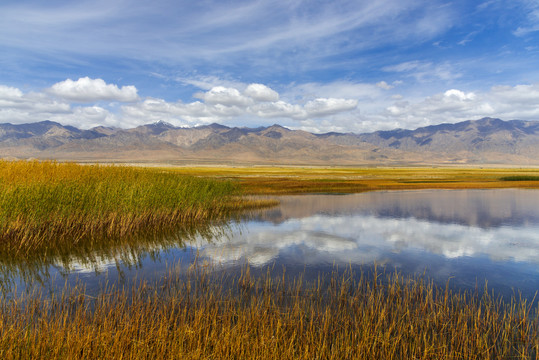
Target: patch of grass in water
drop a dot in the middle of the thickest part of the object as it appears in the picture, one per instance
(49, 205)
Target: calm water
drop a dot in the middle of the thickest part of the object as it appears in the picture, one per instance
(467, 236)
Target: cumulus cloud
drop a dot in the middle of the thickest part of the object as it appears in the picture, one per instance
(9, 93)
(18, 107)
(355, 107)
(506, 102)
(459, 95)
(260, 92)
(520, 94)
(224, 96)
(90, 90)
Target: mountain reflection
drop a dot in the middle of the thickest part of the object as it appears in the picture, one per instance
(500, 224)
(481, 208)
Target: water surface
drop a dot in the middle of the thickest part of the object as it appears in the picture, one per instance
(467, 236)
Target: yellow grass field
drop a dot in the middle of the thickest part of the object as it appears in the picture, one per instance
(297, 180)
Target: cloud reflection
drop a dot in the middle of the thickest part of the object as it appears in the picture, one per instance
(353, 235)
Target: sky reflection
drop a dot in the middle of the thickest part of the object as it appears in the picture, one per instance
(470, 236)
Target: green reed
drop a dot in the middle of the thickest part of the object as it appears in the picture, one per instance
(48, 204)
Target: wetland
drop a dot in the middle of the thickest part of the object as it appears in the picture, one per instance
(430, 265)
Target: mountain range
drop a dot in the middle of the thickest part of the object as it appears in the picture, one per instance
(487, 141)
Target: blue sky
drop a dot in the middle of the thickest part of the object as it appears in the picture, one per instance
(314, 65)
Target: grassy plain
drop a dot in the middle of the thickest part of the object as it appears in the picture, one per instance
(209, 316)
(298, 180)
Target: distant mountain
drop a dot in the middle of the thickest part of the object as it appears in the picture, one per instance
(485, 141)
(487, 134)
(488, 140)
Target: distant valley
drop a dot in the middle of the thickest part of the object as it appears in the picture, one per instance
(487, 141)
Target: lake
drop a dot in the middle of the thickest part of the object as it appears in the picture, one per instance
(468, 237)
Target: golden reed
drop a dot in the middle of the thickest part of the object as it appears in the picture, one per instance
(204, 314)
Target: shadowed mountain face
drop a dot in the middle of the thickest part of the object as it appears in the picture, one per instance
(485, 141)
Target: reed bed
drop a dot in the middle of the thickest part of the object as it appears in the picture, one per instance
(211, 315)
(45, 205)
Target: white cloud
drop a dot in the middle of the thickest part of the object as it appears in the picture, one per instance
(323, 107)
(278, 109)
(384, 85)
(208, 82)
(260, 92)
(405, 66)
(187, 33)
(224, 96)
(335, 89)
(531, 7)
(459, 95)
(90, 90)
(226, 104)
(425, 71)
(519, 94)
(468, 38)
(357, 107)
(506, 102)
(18, 107)
(90, 116)
(9, 93)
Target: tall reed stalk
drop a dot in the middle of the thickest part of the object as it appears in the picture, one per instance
(207, 315)
(44, 205)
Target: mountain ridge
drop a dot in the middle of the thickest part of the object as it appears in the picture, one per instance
(483, 141)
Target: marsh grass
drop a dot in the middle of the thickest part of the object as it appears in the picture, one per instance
(298, 180)
(47, 205)
(204, 314)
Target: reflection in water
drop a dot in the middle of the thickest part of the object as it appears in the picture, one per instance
(467, 235)
(360, 239)
(478, 208)
(96, 261)
(471, 235)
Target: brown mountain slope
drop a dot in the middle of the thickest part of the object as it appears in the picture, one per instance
(485, 141)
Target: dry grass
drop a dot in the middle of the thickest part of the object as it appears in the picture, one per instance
(204, 315)
(297, 180)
